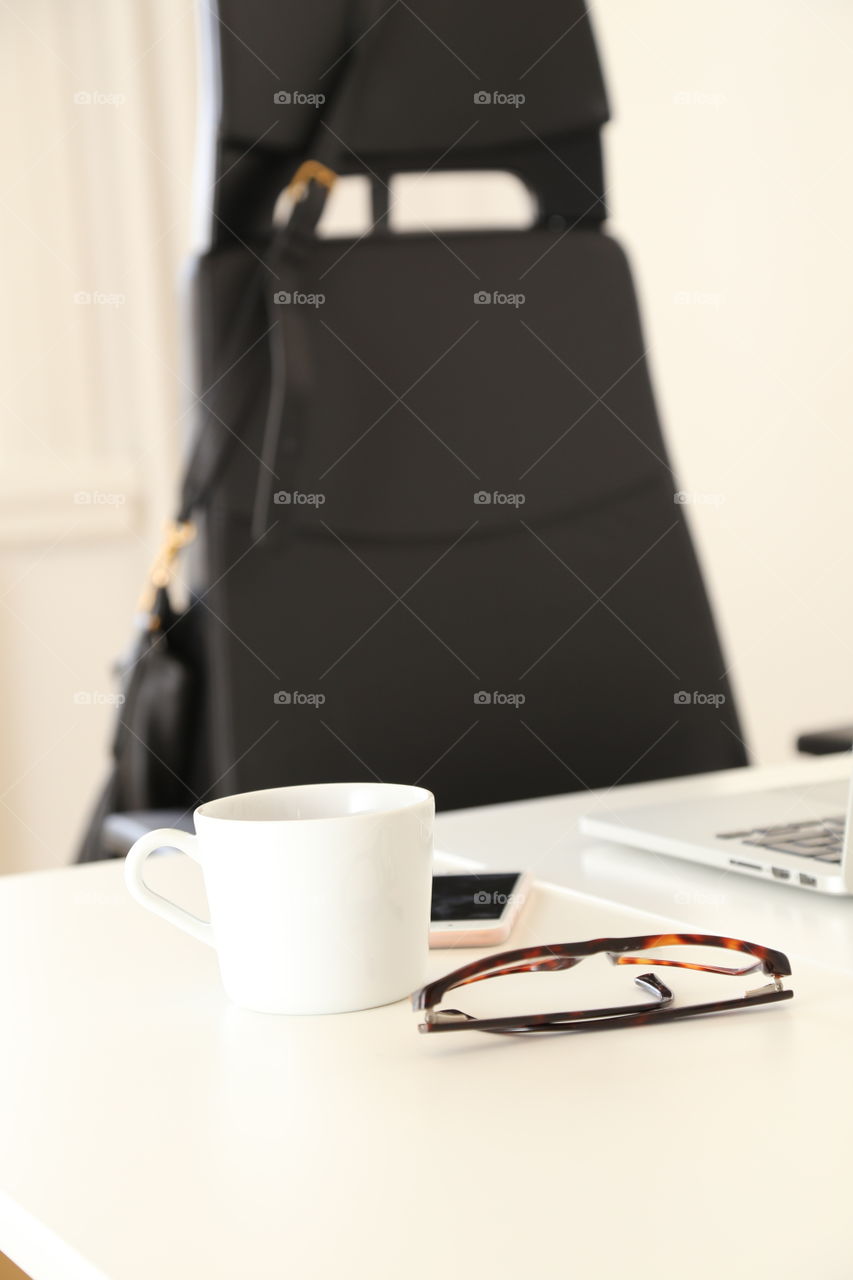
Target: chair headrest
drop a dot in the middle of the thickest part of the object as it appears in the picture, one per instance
(435, 77)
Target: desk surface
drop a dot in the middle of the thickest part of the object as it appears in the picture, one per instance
(149, 1128)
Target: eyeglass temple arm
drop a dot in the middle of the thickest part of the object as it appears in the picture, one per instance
(644, 960)
(523, 960)
(550, 964)
(772, 962)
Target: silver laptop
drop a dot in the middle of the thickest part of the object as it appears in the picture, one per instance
(797, 834)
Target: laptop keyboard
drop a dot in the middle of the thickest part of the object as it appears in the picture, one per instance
(821, 839)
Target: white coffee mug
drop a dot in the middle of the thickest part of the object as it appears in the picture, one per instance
(319, 895)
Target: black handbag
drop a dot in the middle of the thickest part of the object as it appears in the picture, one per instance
(158, 700)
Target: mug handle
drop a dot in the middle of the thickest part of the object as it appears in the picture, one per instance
(133, 867)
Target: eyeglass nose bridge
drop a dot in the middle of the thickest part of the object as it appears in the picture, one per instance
(652, 984)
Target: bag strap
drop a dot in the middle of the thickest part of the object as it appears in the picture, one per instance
(288, 247)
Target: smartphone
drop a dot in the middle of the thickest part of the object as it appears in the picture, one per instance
(476, 909)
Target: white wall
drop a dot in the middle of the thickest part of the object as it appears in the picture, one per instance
(730, 166)
(730, 173)
(97, 104)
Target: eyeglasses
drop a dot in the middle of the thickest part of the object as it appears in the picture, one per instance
(550, 959)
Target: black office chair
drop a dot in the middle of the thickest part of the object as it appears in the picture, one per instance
(438, 539)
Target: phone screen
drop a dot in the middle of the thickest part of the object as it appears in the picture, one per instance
(472, 897)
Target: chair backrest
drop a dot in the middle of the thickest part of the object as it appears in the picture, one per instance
(474, 574)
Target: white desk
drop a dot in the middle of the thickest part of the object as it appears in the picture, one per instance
(149, 1129)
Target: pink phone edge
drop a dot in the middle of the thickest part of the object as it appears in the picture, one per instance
(490, 935)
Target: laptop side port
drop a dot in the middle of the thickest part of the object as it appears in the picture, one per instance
(808, 882)
(750, 866)
(780, 873)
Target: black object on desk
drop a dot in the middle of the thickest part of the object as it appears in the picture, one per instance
(825, 742)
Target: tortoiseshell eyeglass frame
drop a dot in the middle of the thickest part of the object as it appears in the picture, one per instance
(564, 955)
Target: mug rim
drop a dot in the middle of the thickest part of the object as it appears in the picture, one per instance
(420, 796)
